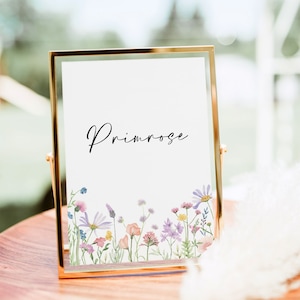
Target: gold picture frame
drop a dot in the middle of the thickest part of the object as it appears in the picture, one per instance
(64, 84)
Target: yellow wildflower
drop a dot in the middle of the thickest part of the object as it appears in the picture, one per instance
(108, 236)
(182, 217)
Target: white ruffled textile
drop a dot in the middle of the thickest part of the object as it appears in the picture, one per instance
(260, 250)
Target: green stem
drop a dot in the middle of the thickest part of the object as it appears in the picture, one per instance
(89, 236)
(202, 228)
(115, 232)
(130, 250)
(193, 220)
(187, 226)
(171, 247)
(99, 254)
(139, 238)
(82, 257)
(77, 239)
(77, 245)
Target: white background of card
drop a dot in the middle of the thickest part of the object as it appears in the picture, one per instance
(138, 97)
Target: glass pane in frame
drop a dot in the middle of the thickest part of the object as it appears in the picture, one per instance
(136, 158)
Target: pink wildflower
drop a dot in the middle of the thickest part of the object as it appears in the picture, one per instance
(100, 241)
(80, 206)
(150, 239)
(87, 247)
(205, 242)
(186, 205)
(175, 210)
(123, 243)
(194, 229)
(133, 229)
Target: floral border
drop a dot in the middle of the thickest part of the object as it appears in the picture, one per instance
(187, 233)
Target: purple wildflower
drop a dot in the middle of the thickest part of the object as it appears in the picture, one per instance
(98, 222)
(171, 231)
(179, 228)
(154, 227)
(143, 219)
(112, 213)
(151, 211)
(202, 196)
(141, 202)
(168, 224)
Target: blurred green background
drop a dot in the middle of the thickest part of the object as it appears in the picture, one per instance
(241, 33)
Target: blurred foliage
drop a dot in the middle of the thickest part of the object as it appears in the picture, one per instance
(291, 45)
(179, 31)
(27, 35)
(17, 21)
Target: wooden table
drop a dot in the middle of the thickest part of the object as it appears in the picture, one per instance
(28, 270)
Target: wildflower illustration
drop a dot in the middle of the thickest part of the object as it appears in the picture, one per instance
(117, 252)
(149, 240)
(106, 237)
(83, 234)
(171, 234)
(131, 241)
(132, 230)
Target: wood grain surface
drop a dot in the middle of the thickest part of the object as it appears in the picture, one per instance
(28, 270)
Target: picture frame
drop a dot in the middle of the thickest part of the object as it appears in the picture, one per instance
(136, 159)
